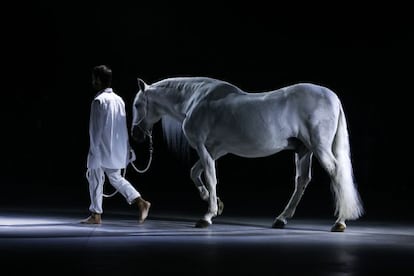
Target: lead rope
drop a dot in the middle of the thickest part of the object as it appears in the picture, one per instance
(131, 161)
(151, 149)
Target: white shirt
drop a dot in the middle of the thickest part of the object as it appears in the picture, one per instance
(108, 132)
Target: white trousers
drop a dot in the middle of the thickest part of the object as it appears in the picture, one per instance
(96, 179)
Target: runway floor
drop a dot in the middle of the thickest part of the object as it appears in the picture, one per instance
(168, 244)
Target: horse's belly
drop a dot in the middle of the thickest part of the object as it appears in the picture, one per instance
(252, 129)
(254, 153)
(247, 146)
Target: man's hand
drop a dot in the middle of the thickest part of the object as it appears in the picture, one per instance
(132, 156)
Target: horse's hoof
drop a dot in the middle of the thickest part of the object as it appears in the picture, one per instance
(202, 224)
(220, 205)
(278, 223)
(338, 227)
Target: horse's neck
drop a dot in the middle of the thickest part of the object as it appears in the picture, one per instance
(172, 101)
(177, 97)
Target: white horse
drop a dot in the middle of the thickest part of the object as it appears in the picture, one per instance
(218, 118)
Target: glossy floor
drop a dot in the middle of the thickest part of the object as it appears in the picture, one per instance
(54, 243)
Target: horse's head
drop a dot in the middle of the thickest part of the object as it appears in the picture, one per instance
(143, 115)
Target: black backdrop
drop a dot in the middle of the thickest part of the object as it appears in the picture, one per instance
(362, 53)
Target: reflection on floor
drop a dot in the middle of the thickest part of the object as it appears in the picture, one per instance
(53, 242)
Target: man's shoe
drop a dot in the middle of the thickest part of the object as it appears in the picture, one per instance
(143, 209)
(92, 219)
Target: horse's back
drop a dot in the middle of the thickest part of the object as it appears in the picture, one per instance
(305, 92)
(303, 95)
(306, 100)
(302, 99)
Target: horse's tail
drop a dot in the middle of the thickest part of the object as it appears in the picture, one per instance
(175, 139)
(348, 202)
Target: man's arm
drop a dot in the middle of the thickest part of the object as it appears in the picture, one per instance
(96, 125)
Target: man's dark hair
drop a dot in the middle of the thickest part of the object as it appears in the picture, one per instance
(104, 73)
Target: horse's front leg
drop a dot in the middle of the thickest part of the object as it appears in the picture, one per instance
(196, 172)
(208, 164)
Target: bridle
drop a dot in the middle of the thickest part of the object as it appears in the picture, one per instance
(147, 133)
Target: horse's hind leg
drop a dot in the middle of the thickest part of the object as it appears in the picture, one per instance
(303, 161)
(328, 162)
(196, 172)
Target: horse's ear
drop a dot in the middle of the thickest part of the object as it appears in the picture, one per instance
(141, 84)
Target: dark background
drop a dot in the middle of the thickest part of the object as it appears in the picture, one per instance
(364, 54)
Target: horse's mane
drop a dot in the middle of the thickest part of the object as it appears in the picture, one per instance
(175, 82)
(175, 139)
(194, 83)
